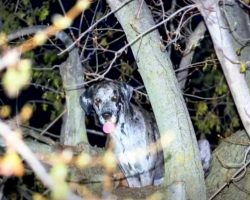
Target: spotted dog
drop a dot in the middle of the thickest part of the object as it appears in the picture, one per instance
(134, 132)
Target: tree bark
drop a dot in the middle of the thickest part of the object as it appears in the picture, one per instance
(228, 159)
(192, 43)
(221, 36)
(177, 135)
(237, 20)
(73, 128)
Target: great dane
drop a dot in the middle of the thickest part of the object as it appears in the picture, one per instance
(132, 131)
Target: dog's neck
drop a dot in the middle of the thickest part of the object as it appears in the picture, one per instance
(126, 123)
(125, 114)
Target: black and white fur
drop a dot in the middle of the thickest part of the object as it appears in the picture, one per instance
(135, 132)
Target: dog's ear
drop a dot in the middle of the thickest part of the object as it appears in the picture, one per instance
(86, 100)
(126, 91)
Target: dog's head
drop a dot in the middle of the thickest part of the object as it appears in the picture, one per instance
(107, 99)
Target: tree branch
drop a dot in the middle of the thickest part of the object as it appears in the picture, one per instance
(186, 60)
(221, 36)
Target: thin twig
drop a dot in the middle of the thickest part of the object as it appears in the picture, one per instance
(91, 28)
(53, 122)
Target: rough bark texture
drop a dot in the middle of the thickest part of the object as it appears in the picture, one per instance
(229, 28)
(226, 54)
(73, 127)
(227, 159)
(180, 147)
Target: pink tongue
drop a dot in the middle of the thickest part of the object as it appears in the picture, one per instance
(108, 127)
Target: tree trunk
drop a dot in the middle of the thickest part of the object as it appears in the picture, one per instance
(237, 20)
(178, 139)
(73, 128)
(192, 43)
(230, 62)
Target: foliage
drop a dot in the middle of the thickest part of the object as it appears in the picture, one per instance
(51, 82)
(25, 13)
(17, 78)
(208, 96)
(214, 111)
(22, 13)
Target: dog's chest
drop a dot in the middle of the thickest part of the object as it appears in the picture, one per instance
(131, 146)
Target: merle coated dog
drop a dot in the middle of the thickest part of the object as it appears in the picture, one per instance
(135, 131)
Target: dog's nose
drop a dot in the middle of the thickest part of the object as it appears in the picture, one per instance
(107, 115)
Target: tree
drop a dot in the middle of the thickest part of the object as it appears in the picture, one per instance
(157, 33)
(174, 123)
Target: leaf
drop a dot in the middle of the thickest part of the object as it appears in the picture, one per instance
(25, 2)
(26, 112)
(59, 173)
(60, 191)
(221, 89)
(44, 106)
(17, 78)
(43, 13)
(235, 123)
(5, 111)
(83, 160)
(37, 196)
(11, 164)
(243, 68)
(104, 42)
(49, 57)
(201, 109)
(3, 38)
(109, 161)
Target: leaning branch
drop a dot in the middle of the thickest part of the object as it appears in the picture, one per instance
(11, 137)
(222, 40)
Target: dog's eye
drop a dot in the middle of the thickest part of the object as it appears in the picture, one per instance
(98, 100)
(114, 98)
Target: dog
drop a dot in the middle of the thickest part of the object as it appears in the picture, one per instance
(134, 131)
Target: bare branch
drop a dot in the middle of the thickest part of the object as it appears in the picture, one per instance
(186, 60)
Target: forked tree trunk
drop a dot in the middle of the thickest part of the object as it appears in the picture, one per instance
(178, 138)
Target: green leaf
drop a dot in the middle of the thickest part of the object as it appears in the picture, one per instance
(201, 109)
(43, 13)
(104, 42)
(17, 78)
(60, 188)
(243, 68)
(25, 2)
(59, 171)
(44, 106)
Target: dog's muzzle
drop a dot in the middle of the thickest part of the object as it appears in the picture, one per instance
(108, 121)
(106, 115)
